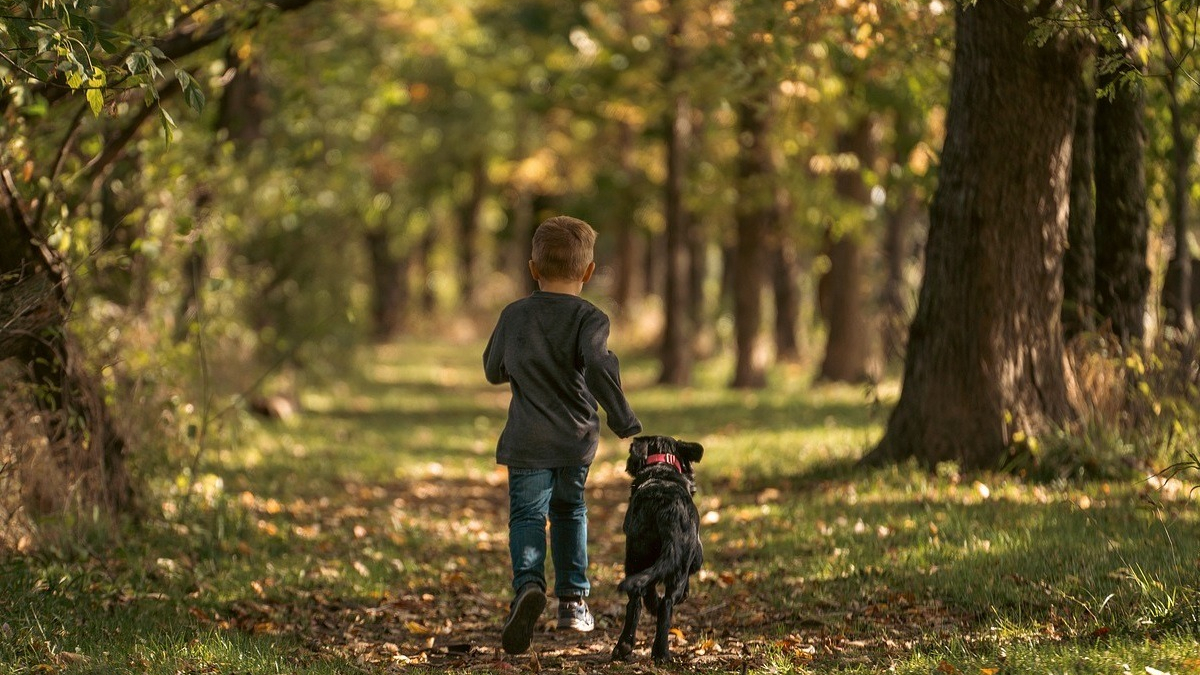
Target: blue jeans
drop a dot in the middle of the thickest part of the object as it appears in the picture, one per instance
(534, 494)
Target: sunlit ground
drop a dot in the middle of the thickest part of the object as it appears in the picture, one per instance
(370, 536)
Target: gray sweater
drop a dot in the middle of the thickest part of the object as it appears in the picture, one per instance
(552, 350)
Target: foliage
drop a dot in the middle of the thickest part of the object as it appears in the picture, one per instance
(1139, 417)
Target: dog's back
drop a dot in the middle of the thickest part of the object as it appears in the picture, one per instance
(662, 540)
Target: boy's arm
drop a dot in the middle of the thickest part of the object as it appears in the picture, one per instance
(603, 376)
(493, 357)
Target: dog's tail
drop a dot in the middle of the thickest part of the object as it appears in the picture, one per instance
(670, 562)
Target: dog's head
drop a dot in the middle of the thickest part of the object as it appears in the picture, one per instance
(647, 446)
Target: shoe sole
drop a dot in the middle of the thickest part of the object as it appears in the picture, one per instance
(518, 631)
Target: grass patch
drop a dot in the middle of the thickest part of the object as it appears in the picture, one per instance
(370, 536)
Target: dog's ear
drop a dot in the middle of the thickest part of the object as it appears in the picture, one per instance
(690, 451)
(638, 451)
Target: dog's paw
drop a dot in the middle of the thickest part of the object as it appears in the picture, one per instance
(622, 652)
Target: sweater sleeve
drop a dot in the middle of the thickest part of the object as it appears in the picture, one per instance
(493, 356)
(603, 377)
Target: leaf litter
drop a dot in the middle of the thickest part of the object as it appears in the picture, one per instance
(447, 614)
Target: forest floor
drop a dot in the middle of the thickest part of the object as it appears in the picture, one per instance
(369, 536)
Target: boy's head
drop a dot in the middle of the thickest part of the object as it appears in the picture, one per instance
(562, 249)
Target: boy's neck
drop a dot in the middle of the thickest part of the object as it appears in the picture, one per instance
(560, 286)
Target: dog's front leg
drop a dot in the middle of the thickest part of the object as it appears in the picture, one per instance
(661, 652)
(623, 650)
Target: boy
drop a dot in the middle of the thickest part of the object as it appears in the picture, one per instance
(552, 349)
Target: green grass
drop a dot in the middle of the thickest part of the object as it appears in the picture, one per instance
(369, 536)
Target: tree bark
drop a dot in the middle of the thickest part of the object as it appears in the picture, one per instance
(1122, 221)
(786, 270)
(1177, 289)
(389, 287)
(848, 340)
(468, 223)
(896, 243)
(754, 211)
(676, 349)
(629, 244)
(985, 356)
(1079, 261)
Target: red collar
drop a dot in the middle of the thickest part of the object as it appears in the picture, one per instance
(664, 458)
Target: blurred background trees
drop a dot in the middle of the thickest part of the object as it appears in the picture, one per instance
(205, 205)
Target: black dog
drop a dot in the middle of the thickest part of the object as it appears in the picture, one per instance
(662, 536)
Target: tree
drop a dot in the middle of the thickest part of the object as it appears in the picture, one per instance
(985, 364)
(1177, 296)
(1122, 221)
(756, 221)
(676, 348)
(848, 345)
(60, 63)
(1079, 260)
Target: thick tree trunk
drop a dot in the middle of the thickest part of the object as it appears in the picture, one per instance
(755, 210)
(985, 356)
(848, 339)
(1079, 261)
(1177, 296)
(676, 349)
(1122, 275)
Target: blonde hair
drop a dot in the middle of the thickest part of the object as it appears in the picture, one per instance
(562, 248)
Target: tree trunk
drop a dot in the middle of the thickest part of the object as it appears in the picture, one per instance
(786, 270)
(1079, 261)
(389, 284)
(1177, 297)
(468, 223)
(34, 311)
(629, 244)
(985, 356)
(754, 212)
(676, 348)
(1122, 275)
(697, 273)
(896, 243)
(848, 340)
(425, 255)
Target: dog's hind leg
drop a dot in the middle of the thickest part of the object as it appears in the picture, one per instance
(623, 651)
(661, 651)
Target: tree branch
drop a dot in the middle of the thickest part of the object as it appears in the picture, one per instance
(115, 144)
(190, 37)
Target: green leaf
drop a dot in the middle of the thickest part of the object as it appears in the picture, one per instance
(168, 124)
(191, 90)
(138, 62)
(95, 98)
(194, 97)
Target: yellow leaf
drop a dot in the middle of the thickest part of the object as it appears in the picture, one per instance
(416, 628)
(988, 671)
